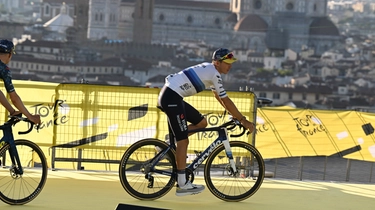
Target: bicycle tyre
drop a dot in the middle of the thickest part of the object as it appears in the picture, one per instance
(134, 160)
(234, 187)
(21, 189)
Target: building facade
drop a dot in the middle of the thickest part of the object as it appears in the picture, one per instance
(243, 24)
(103, 19)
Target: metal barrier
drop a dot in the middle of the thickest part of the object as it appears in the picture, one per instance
(321, 168)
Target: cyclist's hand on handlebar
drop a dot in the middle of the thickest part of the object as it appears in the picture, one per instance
(248, 125)
(35, 119)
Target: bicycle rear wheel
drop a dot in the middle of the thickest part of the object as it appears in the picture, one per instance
(139, 179)
(229, 186)
(16, 189)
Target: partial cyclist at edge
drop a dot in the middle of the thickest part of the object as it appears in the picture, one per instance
(6, 53)
(189, 82)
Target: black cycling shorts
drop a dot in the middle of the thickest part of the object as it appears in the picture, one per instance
(179, 113)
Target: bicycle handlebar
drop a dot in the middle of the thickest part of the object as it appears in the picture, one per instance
(232, 124)
(17, 118)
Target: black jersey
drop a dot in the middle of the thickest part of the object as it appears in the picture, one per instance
(6, 76)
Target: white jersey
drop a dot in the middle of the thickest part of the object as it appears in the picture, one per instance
(195, 79)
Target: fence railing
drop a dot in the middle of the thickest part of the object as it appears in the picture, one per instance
(321, 168)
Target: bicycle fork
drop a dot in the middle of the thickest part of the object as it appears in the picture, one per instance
(16, 168)
(232, 169)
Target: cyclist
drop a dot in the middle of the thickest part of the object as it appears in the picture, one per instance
(6, 53)
(186, 83)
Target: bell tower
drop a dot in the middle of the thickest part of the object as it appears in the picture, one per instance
(81, 19)
(143, 19)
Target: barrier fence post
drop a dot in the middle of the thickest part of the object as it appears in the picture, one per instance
(53, 155)
(325, 168)
(348, 165)
(79, 160)
(372, 166)
(300, 168)
(275, 168)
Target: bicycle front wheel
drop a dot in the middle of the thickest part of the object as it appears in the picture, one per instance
(229, 185)
(16, 188)
(140, 176)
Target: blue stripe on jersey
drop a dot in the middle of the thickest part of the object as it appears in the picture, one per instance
(223, 93)
(194, 79)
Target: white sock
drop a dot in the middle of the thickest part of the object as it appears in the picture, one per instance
(181, 179)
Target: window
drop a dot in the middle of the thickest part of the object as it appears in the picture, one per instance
(290, 96)
(258, 4)
(290, 6)
(161, 17)
(217, 21)
(80, 10)
(276, 95)
(47, 10)
(263, 94)
(317, 96)
(189, 19)
(304, 96)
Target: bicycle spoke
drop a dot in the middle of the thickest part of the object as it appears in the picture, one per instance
(18, 188)
(140, 176)
(240, 184)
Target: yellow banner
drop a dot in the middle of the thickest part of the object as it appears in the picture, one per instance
(301, 132)
(113, 118)
(83, 121)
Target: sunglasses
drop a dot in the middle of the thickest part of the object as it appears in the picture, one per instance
(227, 56)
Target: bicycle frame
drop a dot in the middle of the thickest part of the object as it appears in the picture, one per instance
(221, 139)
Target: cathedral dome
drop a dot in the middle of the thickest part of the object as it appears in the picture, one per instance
(252, 23)
(60, 22)
(323, 26)
(232, 18)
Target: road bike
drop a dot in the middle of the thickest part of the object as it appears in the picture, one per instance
(23, 166)
(233, 170)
